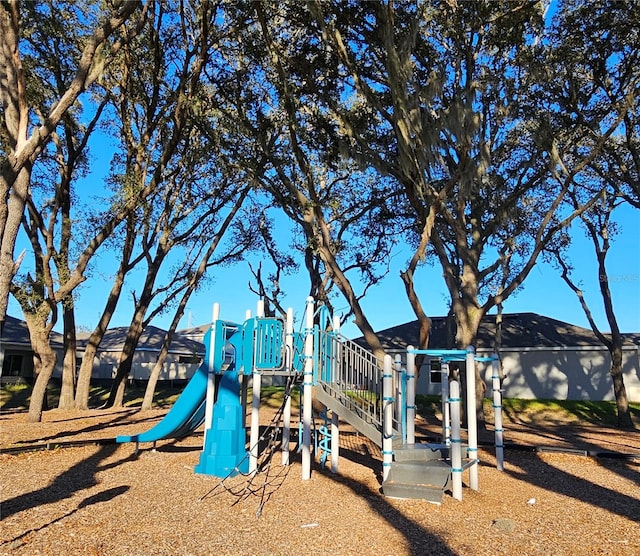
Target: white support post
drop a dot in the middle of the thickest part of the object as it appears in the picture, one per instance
(254, 437)
(336, 324)
(387, 416)
(456, 441)
(411, 396)
(335, 351)
(497, 412)
(245, 381)
(397, 366)
(211, 377)
(335, 420)
(286, 416)
(446, 419)
(335, 441)
(256, 388)
(472, 422)
(307, 391)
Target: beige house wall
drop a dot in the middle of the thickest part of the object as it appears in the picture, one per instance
(555, 373)
(567, 374)
(106, 364)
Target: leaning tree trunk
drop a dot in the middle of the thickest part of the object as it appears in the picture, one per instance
(67, 388)
(86, 368)
(45, 362)
(116, 395)
(619, 390)
(14, 191)
(84, 375)
(147, 401)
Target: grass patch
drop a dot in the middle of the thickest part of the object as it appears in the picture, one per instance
(518, 410)
(428, 406)
(273, 396)
(17, 396)
(577, 411)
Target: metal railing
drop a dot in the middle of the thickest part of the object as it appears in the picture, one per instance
(351, 374)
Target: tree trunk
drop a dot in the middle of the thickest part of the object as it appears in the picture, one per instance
(91, 349)
(424, 322)
(15, 194)
(116, 395)
(147, 401)
(468, 319)
(118, 391)
(407, 276)
(44, 365)
(86, 368)
(83, 386)
(619, 390)
(20, 150)
(345, 287)
(67, 388)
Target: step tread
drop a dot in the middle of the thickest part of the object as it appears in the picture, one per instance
(395, 489)
(423, 451)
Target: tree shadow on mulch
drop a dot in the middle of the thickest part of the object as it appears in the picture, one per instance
(532, 469)
(78, 477)
(103, 496)
(420, 540)
(123, 417)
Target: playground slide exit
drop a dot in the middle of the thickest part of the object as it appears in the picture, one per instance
(185, 416)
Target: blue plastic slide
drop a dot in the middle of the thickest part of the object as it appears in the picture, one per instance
(185, 416)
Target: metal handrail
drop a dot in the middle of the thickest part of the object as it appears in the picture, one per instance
(351, 374)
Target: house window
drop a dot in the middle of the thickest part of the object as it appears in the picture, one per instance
(435, 371)
(12, 365)
(190, 359)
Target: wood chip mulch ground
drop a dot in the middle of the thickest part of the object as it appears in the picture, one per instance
(104, 499)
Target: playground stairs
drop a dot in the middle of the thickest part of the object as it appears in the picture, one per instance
(419, 471)
(358, 419)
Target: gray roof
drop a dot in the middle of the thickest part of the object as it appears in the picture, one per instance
(151, 339)
(519, 330)
(16, 334)
(194, 331)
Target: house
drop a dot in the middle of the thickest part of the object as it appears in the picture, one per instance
(183, 359)
(16, 353)
(542, 358)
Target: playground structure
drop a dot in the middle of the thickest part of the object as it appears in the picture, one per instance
(377, 400)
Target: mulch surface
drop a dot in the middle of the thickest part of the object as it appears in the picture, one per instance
(68, 489)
